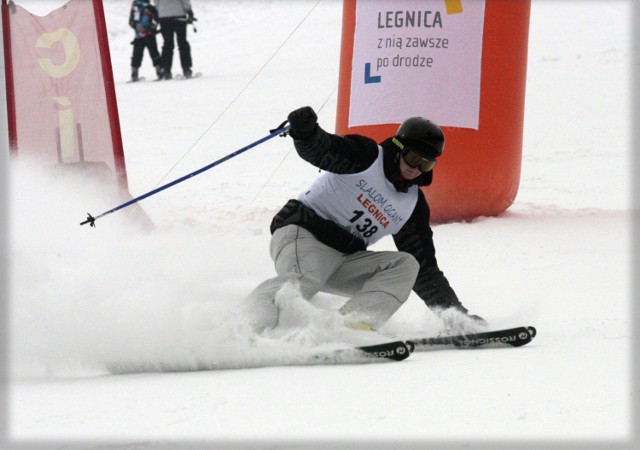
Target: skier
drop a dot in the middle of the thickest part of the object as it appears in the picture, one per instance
(368, 191)
(143, 19)
(174, 15)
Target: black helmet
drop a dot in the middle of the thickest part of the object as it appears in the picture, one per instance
(422, 136)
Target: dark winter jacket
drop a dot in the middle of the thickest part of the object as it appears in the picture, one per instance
(353, 154)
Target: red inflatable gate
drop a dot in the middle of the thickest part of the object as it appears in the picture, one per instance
(479, 172)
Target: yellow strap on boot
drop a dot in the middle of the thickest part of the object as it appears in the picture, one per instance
(359, 326)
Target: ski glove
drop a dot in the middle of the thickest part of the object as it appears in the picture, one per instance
(436, 291)
(303, 123)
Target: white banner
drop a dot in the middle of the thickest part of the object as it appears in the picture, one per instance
(417, 58)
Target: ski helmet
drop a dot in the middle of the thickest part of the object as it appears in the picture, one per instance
(422, 136)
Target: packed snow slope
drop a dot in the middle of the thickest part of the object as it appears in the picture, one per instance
(98, 317)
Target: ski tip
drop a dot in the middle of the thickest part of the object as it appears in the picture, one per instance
(525, 335)
(402, 351)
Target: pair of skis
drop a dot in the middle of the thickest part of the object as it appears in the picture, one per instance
(400, 350)
(176, 77)
(387, 351)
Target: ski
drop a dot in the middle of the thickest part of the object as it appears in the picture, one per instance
(395, 351)
(136, 81)
(379, 353)
(511, 337)
(179, 76)
(388, 351)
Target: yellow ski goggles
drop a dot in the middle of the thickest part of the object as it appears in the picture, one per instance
(417, 161)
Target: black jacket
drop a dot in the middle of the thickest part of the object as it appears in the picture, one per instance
(353, 154)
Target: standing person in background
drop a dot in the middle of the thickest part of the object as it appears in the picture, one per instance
(143, 18)
(174, 15)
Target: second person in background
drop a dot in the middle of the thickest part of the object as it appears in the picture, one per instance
(173, 16)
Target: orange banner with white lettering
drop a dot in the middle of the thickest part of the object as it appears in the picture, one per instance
(60, 87)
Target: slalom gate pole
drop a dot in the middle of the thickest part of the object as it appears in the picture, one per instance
(282, 130)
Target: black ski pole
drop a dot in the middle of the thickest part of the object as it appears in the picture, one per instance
(190, 22)
(281, 130)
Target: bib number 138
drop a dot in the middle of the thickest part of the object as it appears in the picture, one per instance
(363, 226)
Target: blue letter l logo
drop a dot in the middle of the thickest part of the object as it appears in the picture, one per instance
(367, 75)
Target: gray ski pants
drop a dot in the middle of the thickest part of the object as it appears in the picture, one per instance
(378, 283)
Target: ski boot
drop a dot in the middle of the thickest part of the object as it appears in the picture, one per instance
(159, 71)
